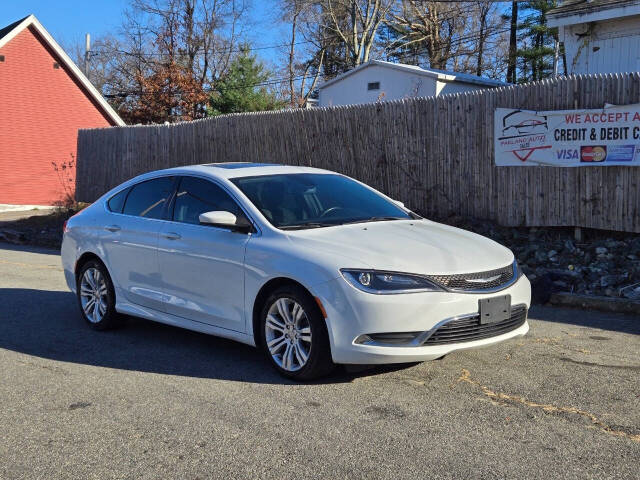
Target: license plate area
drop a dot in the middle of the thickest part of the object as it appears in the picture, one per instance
(494, 309)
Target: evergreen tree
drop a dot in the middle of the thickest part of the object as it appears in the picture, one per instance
(537, 41)
(244, 88)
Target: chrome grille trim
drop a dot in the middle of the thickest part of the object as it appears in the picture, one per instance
(468, 328)
(479, 282)
(519, 314)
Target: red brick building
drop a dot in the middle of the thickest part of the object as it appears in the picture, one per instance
(44, 100)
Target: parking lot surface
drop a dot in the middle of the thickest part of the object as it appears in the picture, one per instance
(151, 401)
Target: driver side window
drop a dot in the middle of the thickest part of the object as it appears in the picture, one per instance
(196, 196)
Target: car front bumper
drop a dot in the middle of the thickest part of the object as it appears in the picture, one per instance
(352, 313)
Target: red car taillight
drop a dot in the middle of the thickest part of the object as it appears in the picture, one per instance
(64, 227)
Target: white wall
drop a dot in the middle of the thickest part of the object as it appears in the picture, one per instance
(445, 88)
(616, 43)
(394, 84)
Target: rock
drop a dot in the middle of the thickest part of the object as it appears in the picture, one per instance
(568, 245)
(601, 251)
(541, 256)
(560, 284)
(564, 274)
(612, 280)
(631, 292)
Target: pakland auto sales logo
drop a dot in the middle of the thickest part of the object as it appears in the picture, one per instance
(526, 132)
(593, 154)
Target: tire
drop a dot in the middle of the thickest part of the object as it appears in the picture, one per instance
(97, 304)
(287, 341)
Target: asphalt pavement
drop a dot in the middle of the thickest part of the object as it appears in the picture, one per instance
(150, 401)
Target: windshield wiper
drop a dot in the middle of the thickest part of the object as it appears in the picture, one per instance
(374, 219)
(301, 226)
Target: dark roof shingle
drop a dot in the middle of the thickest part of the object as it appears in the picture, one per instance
(576, 7)
(4, 31)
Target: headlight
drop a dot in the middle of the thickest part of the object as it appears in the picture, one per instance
(517, 271)
(376, 281)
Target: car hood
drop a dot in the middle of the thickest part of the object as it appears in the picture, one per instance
(415, 246)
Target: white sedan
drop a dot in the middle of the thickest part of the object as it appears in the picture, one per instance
(311, 266)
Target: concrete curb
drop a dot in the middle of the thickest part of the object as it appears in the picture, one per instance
(23, 208)
(605, 304)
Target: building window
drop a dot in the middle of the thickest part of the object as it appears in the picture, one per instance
(56, 65)
(1, 58)
(373, 86)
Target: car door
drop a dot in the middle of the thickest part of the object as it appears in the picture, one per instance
(202, 266)
(130, 240)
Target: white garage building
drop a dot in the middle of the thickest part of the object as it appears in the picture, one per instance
(383, 81)
(599, 36)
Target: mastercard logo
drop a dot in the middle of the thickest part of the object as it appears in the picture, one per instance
(593, 154)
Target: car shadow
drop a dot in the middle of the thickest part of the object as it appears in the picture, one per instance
(48, 324)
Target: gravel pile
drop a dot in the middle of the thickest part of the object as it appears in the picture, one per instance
(604, 263)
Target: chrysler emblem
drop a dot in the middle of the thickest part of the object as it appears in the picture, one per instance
(483, 280)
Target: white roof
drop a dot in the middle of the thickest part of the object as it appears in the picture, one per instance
(441, 75)
(571, 12)
(32, 21)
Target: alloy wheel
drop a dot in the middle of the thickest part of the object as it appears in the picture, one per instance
(288, 334)
(93, 295)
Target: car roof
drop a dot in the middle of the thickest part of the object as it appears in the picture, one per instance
(243, 169)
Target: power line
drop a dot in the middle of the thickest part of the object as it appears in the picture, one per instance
(301, 42)
(468, 37)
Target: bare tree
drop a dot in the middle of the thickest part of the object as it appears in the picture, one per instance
(483, 9)
(172, 50)
(356, 23)
(430, 28)
(306, 49)
(455, 35)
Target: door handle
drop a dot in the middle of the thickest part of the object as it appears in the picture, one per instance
(113, 228)
(172, 236)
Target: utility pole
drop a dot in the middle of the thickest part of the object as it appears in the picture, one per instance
(513, 44)
(87, 54)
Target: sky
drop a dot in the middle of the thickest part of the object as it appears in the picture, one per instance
(69, 20)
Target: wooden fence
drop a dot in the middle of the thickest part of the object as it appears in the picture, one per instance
(434, 154)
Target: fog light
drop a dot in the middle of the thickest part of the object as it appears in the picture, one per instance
(365, 279)
(362, 339)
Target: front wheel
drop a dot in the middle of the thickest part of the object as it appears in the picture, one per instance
(96, 296)
(294, 334)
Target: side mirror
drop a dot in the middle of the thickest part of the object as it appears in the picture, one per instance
(224, 219)
(399, 203)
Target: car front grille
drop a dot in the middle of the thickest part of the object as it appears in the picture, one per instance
(492, 279)
(469, 329)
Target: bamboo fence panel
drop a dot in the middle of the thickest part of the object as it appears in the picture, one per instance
(435, 154)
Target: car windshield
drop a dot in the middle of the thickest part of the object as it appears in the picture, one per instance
(310, 200)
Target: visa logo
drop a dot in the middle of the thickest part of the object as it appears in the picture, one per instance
(567, 154)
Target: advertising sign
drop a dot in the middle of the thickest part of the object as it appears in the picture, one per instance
(568, 138)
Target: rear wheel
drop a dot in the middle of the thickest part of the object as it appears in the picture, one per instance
(294, 334)
(96, 296)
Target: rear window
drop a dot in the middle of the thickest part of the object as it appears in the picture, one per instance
(147, 199)
(116, 202)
